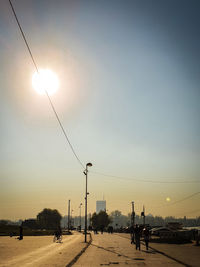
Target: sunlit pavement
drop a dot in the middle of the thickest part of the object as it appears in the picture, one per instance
(112, 250)
(39, 251)
(105, 250)
(186, 253)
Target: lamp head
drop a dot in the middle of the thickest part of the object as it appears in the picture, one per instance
(89, 164)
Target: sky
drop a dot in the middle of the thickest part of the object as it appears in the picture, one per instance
(129, 74)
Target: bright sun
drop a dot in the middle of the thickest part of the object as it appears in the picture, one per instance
(45, 81)
(168, 199)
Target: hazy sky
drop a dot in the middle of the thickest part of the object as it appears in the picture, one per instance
(129, 97)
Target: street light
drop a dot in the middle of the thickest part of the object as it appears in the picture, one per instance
(68, 222)
(86, 193)
(80, 215)
(71, 220)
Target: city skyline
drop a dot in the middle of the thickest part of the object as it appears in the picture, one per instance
(128, 99)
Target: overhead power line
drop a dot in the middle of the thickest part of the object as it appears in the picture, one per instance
(35, 65)
(188, 212)
(23, 35)
(143, 180)
(63, 130)
(180, 200)
(183, 199)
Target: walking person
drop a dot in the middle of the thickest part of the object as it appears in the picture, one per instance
(146, 237)
(132, 234)
(20, 233)
(137, 236)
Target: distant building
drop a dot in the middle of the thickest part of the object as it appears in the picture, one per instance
(100, 206)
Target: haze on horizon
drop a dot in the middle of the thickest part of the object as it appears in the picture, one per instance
(129, 74)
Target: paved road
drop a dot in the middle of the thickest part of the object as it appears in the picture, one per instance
(39, 251)
(114, 250)
(105, 250)
(187, 253)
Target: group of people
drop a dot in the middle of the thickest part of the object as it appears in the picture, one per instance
(136, 233)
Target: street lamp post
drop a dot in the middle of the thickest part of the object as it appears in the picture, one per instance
(143, 215)
(132, 223)
(80, 215)
(86, 194)
(68, 222)
(71, 220)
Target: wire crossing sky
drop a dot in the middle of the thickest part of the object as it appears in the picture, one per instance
(52, 106)
(62, 128)
(146, 181)
(180, 200)
(129, 93)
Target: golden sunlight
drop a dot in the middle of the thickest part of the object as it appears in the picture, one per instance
(168, 199)
(46, 81)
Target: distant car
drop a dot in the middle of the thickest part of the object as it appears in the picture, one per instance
(160, 230)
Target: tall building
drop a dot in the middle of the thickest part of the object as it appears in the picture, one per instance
(100, 206)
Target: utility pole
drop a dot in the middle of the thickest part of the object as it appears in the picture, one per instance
(71, 220)
(132, 222)
(143, 215)
(68, 215)
(133, 215)
(80, 216)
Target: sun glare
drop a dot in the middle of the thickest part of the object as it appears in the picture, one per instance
(168, 199)
(45, 81)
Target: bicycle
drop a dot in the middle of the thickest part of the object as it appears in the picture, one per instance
(57, 238)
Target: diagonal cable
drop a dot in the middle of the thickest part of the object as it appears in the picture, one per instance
(143, 180)
(180, 200)
(35, 65)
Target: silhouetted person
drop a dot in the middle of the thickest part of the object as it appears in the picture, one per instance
(197, 237)
(58, 235)
(59, 231)
(132, 234)
(137, 236)
(20, 232)
(95, 230)
(146, 237)
(110, 229)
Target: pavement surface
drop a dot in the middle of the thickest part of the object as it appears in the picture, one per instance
(39, 251)
(115, 250)
(188, 254)
(105, 250)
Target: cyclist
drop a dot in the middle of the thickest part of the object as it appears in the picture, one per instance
(58, 235)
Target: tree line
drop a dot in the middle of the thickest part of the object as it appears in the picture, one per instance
(51, 219)
(46, 219)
